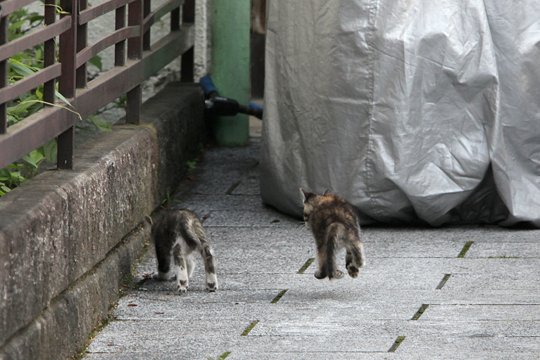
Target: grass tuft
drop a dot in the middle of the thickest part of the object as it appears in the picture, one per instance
(279, 296)
(396, 344)
(466, 248)
(306, 265)
(443, 281)
(250, 327)
(420, 311)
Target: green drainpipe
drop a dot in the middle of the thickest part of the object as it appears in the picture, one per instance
(230, 66)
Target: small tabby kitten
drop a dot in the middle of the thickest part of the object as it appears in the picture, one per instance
(334, 223)
(176, 234)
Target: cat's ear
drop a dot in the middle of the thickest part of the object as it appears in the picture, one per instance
(306, 194)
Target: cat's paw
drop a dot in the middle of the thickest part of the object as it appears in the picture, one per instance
(161, 276)
(211, 282)
(211, 287)
(353, 271)
(182, 286)
(319, 274)
(338, 274)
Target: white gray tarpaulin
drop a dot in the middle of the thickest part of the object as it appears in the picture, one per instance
(413, 110)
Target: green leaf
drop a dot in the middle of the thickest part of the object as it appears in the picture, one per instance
(4, 189)
(20, 110)
(191, 164)
(11, 120)
(96, 61)
(21, 68)
(50, 150)
(10, 175)
(34, 158)
(35, 18)
(16, 178)
(121, 101)
(39, 93)
(100, 123)
(62, 98)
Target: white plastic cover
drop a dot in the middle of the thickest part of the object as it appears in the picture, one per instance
(412, 110)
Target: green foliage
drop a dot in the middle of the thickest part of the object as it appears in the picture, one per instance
(22, 65)
(21, 21)
(121, 102)
(10, 177)
(191, 164)
(96, 61)
(100, 123)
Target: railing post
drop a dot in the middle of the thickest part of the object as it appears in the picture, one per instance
(3, 71)
(175, 19)
(82, 41)
(120, 48)
(68, 55)
(49, 56)
(135, 47)
(186, 67)
(146, 36)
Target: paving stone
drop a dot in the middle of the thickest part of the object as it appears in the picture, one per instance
(505, 250)
(247, 218)
(499, 280)
(482, 312)
(222, 185)
(276, 354)
(248, 186)
(167, 308)
(477, 234)
(369, 327)
(204, 203)
(471, 347)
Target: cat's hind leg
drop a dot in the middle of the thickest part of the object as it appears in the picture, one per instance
(334, 234)
(326, 262)
(351, 269)
(182, 279)
(209, 267)
(321, 261)
(355, 258)
(190, 265)
(163, 256)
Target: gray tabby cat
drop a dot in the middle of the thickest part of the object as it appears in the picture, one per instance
(334, 223)
(177, 233)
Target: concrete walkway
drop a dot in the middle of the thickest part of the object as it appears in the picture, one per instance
(451, 293)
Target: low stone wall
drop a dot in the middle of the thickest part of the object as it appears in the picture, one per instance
(69, 238)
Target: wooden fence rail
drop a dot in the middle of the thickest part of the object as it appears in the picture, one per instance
(66, 54)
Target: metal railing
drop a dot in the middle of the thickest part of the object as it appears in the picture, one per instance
(66, 54)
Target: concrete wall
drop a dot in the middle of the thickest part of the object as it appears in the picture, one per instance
(69, 238)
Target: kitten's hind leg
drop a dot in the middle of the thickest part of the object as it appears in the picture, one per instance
(355, 258)
(164, 273)
(163, 256)
(326, 262)
(353, 272)
(190, 265)
(334, 233)
(209, 267)
(182, 279)
(321, 262)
